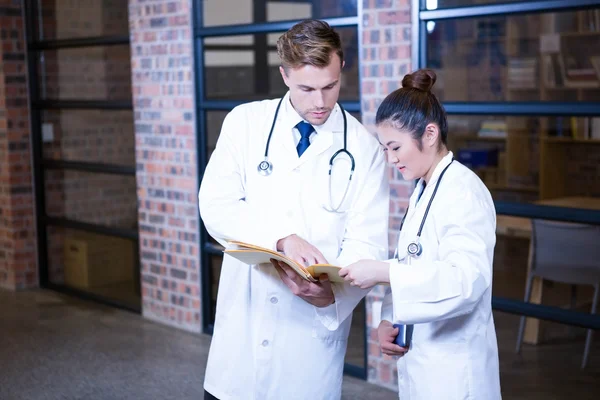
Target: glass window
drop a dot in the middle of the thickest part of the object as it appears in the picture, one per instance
(103, 199)
(257, 11)
(355, 352)
(434, 4)
(88, 73)
(214, 122)
(247, 67)
(67, 19)
(97, 136)
(215, 271)
(99, 264)
(531, 159)
(536, 57)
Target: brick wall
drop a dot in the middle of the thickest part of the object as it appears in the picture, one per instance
(163, 95)
(385, 59)
(18, 267)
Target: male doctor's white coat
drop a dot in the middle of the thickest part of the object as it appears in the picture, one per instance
(447, 292)
(268, 343)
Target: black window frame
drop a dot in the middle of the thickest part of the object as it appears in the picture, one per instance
(540, 108)
(35, 45)
(203, 105)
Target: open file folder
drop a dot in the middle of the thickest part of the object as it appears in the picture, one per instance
(251, 254)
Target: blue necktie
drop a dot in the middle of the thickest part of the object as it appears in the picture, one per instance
(305, 130)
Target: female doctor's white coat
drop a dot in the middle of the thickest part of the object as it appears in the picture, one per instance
(268, 343)
(447, 292)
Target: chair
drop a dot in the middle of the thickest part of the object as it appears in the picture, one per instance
(568, 253)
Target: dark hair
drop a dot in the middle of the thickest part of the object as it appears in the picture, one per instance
(413, 107)
(309, 42)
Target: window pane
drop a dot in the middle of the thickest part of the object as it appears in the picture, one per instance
(99, 264)
(257, 11)
(531, 159)
(96, 136)
(88, 73)
(355, 353)
(511, 258)
(214, 121)
(435, 4)
(67, 19)
(102, 199)
(215, 272)
(537, 57)
(247, 67)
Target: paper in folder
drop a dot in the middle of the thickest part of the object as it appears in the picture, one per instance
(251, 254)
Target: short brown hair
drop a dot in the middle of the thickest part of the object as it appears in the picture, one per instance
(309, 42)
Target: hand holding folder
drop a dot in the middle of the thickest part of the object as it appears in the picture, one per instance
(251, 254)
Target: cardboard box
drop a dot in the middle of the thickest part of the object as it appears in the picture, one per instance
(93, 260)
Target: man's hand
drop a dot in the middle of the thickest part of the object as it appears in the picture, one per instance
(366, 273)
(300, 250)
(386, 333)
(319, 294)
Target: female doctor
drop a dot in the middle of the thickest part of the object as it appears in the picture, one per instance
(441, 278)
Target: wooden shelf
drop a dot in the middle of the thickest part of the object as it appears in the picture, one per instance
(570, 140)
(523, 189)
(481, 138)
(521, 89)
(576, 34)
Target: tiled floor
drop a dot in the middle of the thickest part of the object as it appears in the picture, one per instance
(57, 347)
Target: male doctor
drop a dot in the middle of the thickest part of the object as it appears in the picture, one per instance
(277, 336)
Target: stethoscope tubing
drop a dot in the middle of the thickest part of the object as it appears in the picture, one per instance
(415, 248)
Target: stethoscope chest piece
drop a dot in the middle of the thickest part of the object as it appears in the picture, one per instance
(415, 249)
(265, 168)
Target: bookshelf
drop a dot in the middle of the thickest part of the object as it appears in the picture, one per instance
(541, 57)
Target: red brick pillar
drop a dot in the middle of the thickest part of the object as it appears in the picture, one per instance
(18, 267)
(385, 59)
(162, 63)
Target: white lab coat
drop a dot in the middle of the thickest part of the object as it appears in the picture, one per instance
(268, 343)
(447, 292)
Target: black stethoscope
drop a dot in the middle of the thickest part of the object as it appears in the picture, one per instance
(415, 249)
(265, 167)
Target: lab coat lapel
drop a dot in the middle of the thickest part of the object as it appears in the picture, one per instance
(407, 231)
(417, 208)
(439, 168)
(322, 142)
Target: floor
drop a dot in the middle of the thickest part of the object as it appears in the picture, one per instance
(57, 347)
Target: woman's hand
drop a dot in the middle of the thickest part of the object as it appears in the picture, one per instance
(366, 273)
(386, 333)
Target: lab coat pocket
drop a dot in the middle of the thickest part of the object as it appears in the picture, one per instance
(319, 331)
(427, 283)
(233, 289)
(440, 373)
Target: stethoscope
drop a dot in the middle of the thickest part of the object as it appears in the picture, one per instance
(265, 167)
(414, 248)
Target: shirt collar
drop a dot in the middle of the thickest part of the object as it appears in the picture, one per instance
(333, 124)
(439, 168)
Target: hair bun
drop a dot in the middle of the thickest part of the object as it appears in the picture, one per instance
(422, 79)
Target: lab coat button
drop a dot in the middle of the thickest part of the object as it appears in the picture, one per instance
(265, 343)
(274, 300)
